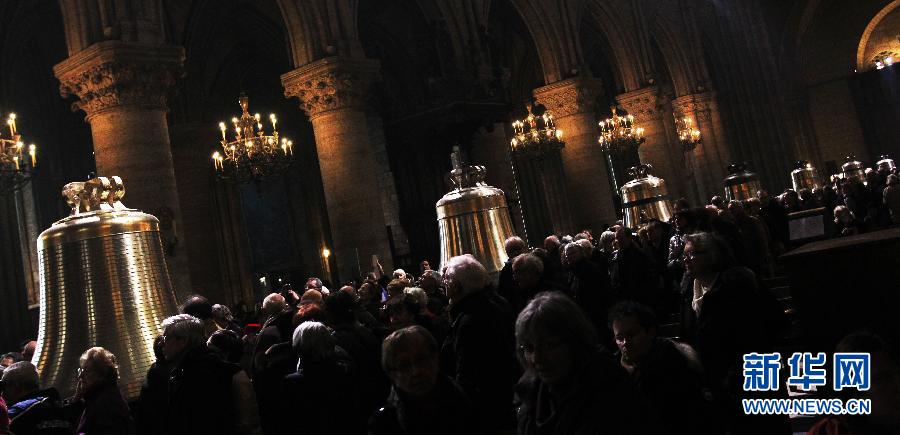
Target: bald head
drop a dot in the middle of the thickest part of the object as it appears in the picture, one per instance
(515, 246)
(273, 304)
(551, 243)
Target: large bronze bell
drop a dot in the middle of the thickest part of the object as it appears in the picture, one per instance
(741, 183)
(473, 217)
(645, 198)
(104, 283)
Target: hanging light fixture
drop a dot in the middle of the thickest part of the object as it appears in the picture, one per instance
(252, 155)
(619, 133)
(688, 135)
(17, 160)
(535, 135)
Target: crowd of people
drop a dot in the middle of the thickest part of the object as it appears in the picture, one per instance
(564, 340)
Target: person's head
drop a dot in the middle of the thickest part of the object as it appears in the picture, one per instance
(308, 313)
(402, 310)
(396, 287)
(311, 297)
(97, 366)
(28, 350)
(10, 358)
(573, 254)
(430, 281)
(222, 315)
(893, 180)
(527, 270)
(424, 265)
(462, 276)
(842, 215)
(409, 356)
(19, 381)
(685, 220)
(399, 274)
(624, 238)
(313, 340)
(552, 244)
(339, 308)
(656, 231)
(634, 327)
(717, 201)
(418, 295)
(706, 254)
(349, 289)
(313, 284)
(681, 204)
(273, 304)
(736, 208)
(607, 239)
(198, 306)
(553, 335)
(227, 344)
(366, 293)
(753, 206)
(182, 333)
(515, 246)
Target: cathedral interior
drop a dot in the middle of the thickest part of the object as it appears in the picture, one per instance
(375, 96)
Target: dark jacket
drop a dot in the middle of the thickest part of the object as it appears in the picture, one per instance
(105, 412)
(508, 288)
(200, 395)
(41, 413)
(670, 379)
(479, 354)
(322, 394)
(633, 276)
(589, 285)
(599, 400)
(449, 412)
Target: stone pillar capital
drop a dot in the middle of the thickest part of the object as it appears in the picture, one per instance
(112, 74)
(331, 83)
(698, 104)
(569, 96)
(641, 103)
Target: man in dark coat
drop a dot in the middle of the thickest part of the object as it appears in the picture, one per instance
(589, 285)
(200, 385)
(507, 286)
(632, 274)
(479, 351)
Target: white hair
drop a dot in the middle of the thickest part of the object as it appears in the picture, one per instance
(187, 327)
(418, 294)
(313, 339)
(399, 273)
(273, 303)
(467, 271)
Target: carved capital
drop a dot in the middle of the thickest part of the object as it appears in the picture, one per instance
(643, 103)
(112, 74)
(331, 83)
(570, 96)
(699, 105)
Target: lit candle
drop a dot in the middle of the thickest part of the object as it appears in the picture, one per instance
(16, 159)
(222, 127)
(12, 118)
(272, 118)
(215, 159)
(32, 151)
(290, 147)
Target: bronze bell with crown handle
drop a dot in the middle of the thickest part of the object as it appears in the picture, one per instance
(104, 282)
(473, 217)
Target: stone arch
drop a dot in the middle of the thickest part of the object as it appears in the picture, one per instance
(676, 57)
(626, 67)
(87, 22)
(557, 42)
(321, 28)
(862, 55)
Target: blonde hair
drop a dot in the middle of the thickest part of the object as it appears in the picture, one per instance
(102, 361)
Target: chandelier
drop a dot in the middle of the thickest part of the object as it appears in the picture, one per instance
(15, 168)
(619, 133)
(535, 135)
(252, 155)
(688, 135)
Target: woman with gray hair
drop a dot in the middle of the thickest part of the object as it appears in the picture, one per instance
(324, 379)
(571, 385)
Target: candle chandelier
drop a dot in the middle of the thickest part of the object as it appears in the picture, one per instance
(688, 135)
(535, 135)
(17, 160)
(619, 133)
(251, 155)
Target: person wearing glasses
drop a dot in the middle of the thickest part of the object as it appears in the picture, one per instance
(105, 410)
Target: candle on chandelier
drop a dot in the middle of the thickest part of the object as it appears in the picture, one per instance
(32, 151)
(222, 127)
(272, 118)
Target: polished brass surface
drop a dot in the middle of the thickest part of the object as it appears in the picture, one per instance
(741, 183)
(853, 168)
(473, 218)
(645, 198)
(805, 176)
(104, 283)
(885, 163)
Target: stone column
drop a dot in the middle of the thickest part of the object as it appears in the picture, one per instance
(122, 88)
(390, 202)
(571, 102)
(709, 158)
(656, 150)
(333, 92)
